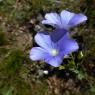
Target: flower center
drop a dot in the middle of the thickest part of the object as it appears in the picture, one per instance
(54, 52)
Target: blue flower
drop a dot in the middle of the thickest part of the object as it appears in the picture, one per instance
(64, 20)
(55, 35)
(50, 52)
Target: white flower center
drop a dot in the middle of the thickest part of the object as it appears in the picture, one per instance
(54, 52)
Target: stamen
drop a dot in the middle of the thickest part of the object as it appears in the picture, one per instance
(54, 52)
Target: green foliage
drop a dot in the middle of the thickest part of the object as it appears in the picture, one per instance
(23, 10)
(13, 76)
(80, 73)
(20, 11)
(7, 91)
(2, 38)
(12, 62)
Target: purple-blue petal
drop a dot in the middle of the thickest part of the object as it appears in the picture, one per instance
(77, 19)
(67, 45)
(70, 46)
(47, 22)
(38, 53)
(57, 34)
(65, 20)
(52, 19)
(44, 41)
(66, 16)
(54, 61)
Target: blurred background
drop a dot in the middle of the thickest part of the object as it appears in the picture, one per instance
(19, 22)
